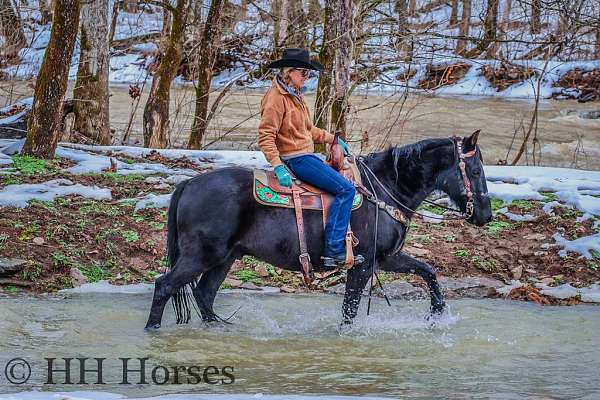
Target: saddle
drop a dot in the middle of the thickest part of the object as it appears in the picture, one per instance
(268, 192)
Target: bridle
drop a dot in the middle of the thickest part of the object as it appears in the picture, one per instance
(399, 216)
(466, 189)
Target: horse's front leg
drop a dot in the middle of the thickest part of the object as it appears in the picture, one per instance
(403, 263)
(356, 280)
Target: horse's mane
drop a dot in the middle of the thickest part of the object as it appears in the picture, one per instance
(406, 154)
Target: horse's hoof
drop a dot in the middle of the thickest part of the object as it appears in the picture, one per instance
(152, 328)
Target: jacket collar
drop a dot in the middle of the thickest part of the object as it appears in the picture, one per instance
(285, 89)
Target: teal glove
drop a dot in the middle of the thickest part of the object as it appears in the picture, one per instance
(283, 176)
(344, 146)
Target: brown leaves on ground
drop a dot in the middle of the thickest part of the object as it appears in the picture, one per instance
(506, 75)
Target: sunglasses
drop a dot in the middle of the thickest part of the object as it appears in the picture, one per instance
(304, 72)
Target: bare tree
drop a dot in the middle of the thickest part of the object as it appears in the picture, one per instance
(536, 10)
(91, 88)
(156, 112)
(327, 58)
(210, 49)
(453, 13)
(280, 10)
(45, 12)
(402, 29)
(11, 27)
(343, 58)
(44, 121)
(298, 36)
(465, 24)
(490, 29)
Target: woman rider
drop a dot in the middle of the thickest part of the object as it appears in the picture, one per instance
(286, 136)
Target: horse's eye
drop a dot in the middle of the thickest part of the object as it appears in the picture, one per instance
(477, 172)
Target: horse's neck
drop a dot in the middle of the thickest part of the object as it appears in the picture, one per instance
(415, 181)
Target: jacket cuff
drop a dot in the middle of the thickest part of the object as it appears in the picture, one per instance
(329, 137)
(276, 162)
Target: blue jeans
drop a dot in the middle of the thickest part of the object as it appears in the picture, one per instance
(312, 170)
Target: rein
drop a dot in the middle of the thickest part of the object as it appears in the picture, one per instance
(465, 181)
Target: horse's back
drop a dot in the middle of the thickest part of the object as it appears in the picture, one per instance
(213, 200)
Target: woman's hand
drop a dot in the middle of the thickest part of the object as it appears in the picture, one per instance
(283, 176)
(345, 146)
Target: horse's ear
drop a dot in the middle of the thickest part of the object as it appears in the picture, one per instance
(471, 141)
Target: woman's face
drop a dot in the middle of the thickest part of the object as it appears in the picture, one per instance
(298, 76)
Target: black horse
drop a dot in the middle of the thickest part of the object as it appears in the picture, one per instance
(214, 219)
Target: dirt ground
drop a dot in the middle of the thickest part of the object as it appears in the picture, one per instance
(108, 240)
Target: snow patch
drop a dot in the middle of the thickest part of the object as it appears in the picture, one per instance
(583, 245)
(19, 196)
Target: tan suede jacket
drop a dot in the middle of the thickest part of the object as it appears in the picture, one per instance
(286, 127)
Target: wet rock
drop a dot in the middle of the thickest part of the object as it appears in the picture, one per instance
(11, 265)
(77, 277)
(249, 286)
(233, 282)
(414, 251)
(472, 286)
(517, 272)
(506, 289)
(261, 271)
(402, 290)
(287, 289)
(154, 180)
(162, 186)
(546, 281)
(175, 179)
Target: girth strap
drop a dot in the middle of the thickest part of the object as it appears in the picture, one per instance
(307, 270)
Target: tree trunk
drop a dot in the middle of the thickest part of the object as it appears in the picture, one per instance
(536, 25)
(412, 8)
(156, 112)
(597, 52)
(343, 58)
(91, 88)
(279, 10)
(490, 28)
(298, 36)
(454, 13)
(11, 27)
(327, 58)
(465, 24)
(43, 127)
(210, 51)
(114, 20)
(45, 12)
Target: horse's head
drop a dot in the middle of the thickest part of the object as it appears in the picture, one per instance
(464, 181)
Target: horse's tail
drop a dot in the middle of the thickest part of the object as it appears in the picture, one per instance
(182, 297)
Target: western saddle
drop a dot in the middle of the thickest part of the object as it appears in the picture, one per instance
(301, 195)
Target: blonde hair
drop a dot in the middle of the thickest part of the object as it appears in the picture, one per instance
(285, 74)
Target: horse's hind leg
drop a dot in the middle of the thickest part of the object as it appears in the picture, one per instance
(185, 271)
(206, 290)
(403, 263)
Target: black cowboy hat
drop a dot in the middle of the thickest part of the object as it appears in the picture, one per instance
(296, 58)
